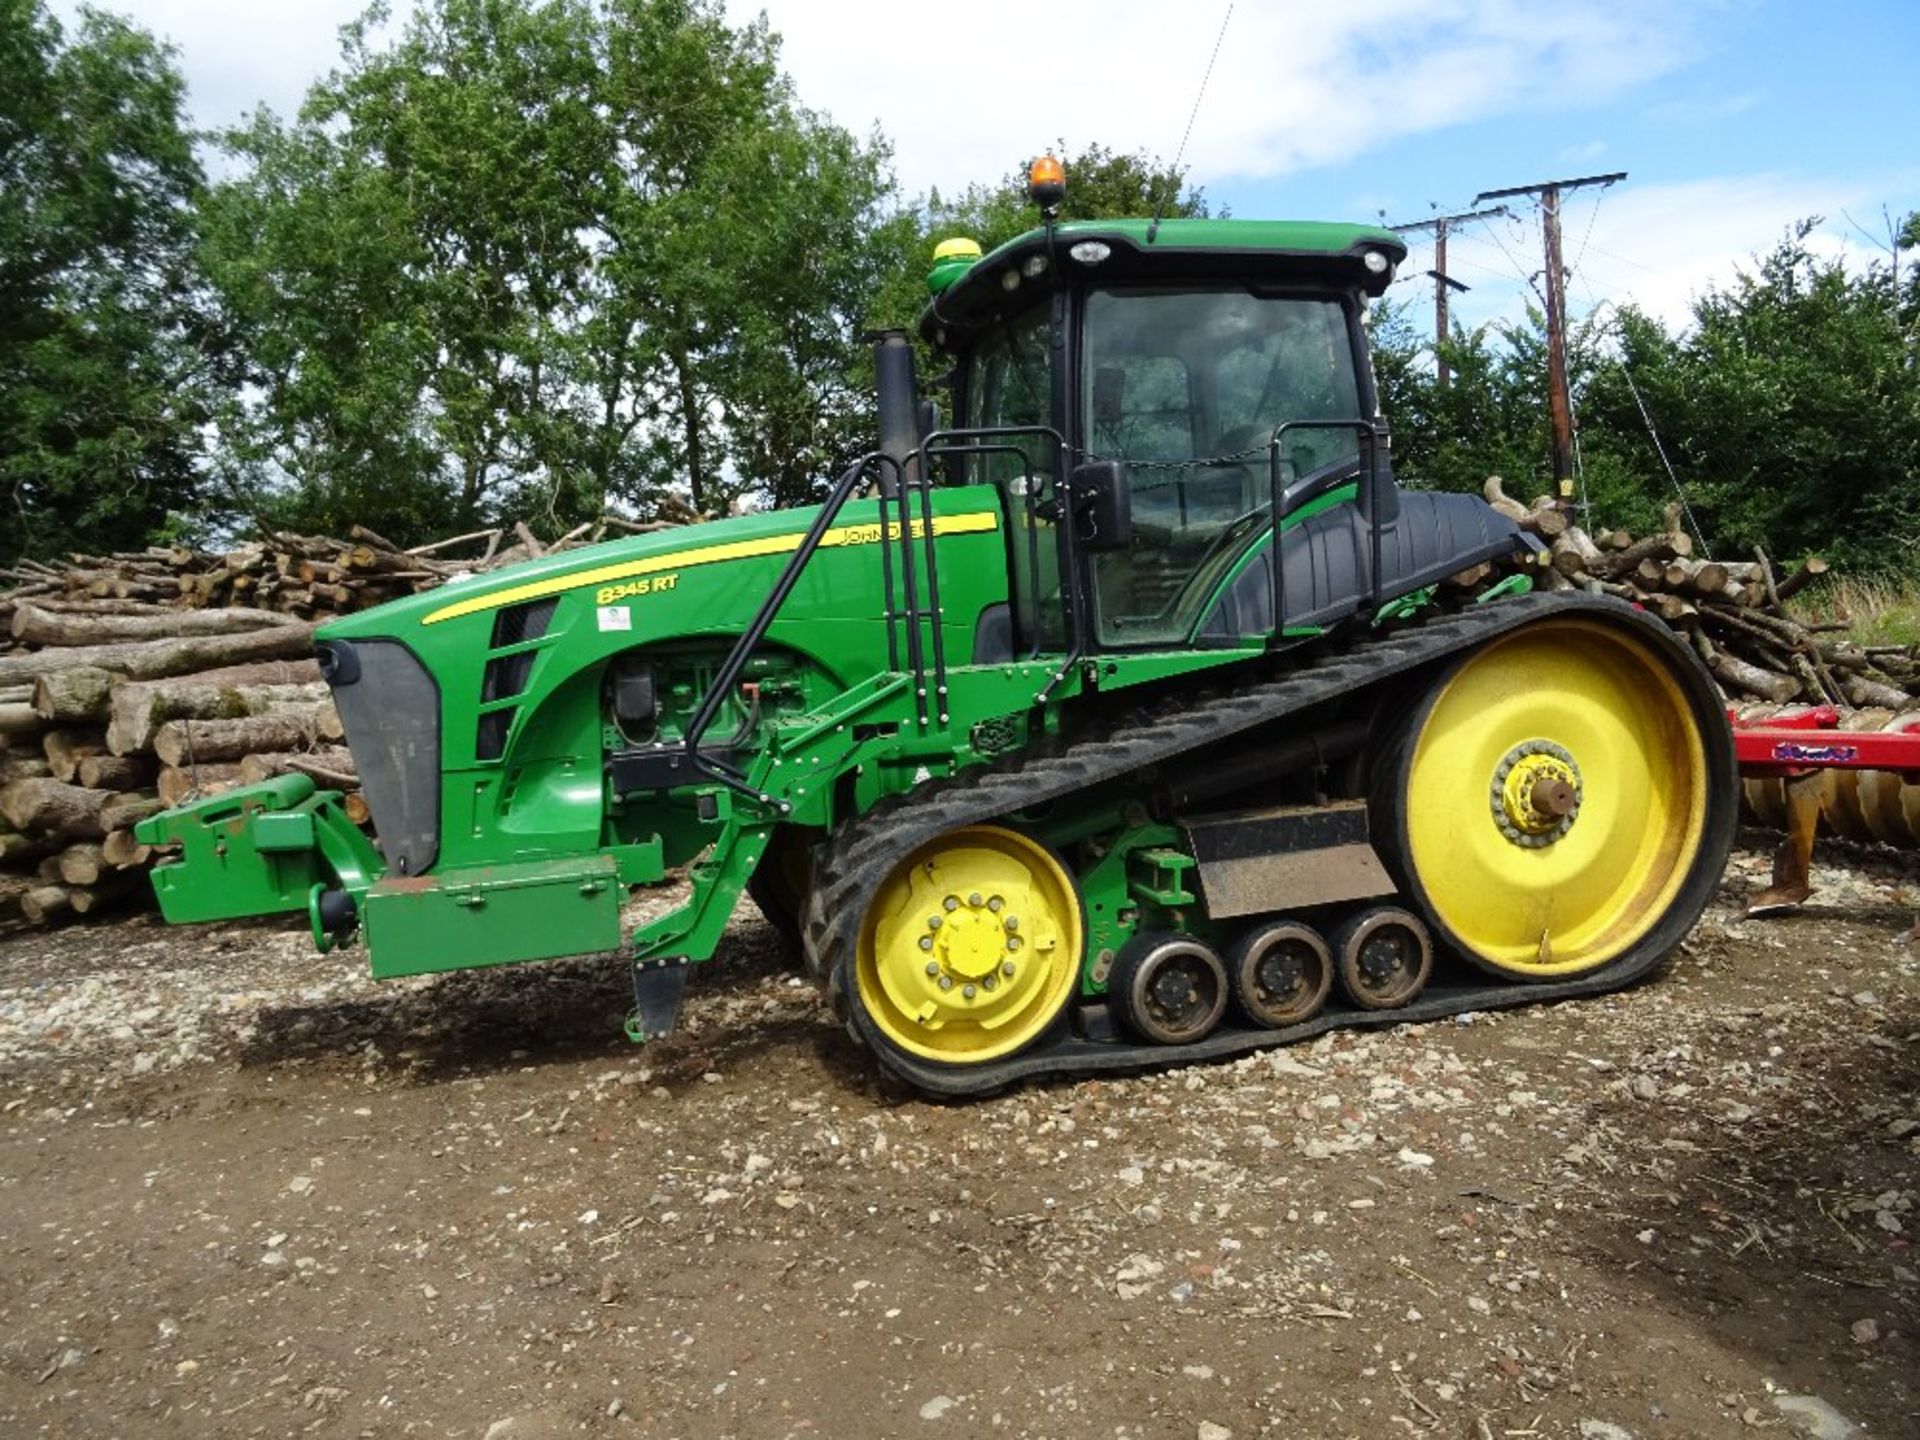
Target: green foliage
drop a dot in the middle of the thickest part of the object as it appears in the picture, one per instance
(1789, 410)
(537, 256)
(1101, 185)
(104, 351)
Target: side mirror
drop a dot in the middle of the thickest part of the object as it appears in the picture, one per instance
(1102, 505)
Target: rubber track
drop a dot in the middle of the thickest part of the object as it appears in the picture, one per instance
(853, 864)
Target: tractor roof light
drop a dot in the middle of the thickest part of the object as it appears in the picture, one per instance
(1091, 252)
(951, 259)
(1376, 261)
(1047, 183)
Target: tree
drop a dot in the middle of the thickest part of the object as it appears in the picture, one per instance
(1790, 410)
(542, 256)
(106, 355)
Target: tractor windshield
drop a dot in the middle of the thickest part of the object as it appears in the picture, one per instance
(1187, 387)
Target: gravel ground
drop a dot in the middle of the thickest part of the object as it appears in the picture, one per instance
(245, 1191)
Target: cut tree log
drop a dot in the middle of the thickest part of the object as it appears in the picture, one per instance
(122, 851)
(55, 807)
(138, 710)
(1624, 562)
(43, 902)
(16, 848)
(1811, 569)
(158, 659)
(123, 812)
(1547, 522)
(1471, 576)
(65, 749)
(81, 864)
(12, 887)
(115, 772)
(23, 765)
(113, 888)
(335, 762)
(176, 784)
(18, 717)
(74, 696)
(1859, 690)
(35, 626)
(1740, 675)
(181, 742)
(1495, 493)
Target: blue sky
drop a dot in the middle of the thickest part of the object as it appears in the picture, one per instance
(1733, 118)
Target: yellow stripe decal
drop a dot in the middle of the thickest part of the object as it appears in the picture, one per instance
(706, 555)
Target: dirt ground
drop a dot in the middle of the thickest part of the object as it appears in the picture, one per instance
(245, 1191)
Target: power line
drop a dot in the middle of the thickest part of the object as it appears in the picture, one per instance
(1442, 281)
(1548, 193)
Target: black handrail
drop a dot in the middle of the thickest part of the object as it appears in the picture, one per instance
(981, 441)
(728, 675)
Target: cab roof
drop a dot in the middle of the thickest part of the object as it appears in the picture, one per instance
(1271, 251)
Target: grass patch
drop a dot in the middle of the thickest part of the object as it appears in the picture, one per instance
(1878, 612)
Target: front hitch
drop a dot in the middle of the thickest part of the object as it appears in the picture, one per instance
(258, 850)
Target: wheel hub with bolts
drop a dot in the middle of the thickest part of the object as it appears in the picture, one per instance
(970, 949)
(1535, 794)
(973, 940)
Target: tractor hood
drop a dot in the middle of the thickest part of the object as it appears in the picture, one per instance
(614, 564)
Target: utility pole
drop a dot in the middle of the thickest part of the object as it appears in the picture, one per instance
(1442, 282)
(1559, 402)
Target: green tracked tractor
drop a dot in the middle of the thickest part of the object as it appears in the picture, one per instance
(1118, 722)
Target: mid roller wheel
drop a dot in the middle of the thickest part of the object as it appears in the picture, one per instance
(1562, 799)
(1170, 989)
(1383, 956)
(969, 950)
(1281, 973)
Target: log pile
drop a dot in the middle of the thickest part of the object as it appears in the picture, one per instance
(1733, 613)
(133, 681)
(177, 591)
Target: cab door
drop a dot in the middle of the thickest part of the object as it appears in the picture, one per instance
(1010, 386)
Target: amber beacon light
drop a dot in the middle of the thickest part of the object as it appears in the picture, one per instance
(1047, 182)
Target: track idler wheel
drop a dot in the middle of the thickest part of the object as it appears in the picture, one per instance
(1281, 973)
(1383, 956)
(1170, 989)
(1562, 800)
(970, 949)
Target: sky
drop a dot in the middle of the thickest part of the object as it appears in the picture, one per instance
(1732, 118)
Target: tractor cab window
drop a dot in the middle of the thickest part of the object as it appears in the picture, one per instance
(1188, 387)
(1010, 384)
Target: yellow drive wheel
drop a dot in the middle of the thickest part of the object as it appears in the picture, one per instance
(971, 948)
(1556, 801)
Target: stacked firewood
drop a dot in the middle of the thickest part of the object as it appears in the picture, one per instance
(311, 577)
(132, 682)
(1734, 613)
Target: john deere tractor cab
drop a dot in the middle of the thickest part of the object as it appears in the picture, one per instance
(1118, 720)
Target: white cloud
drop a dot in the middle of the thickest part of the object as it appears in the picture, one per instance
(237, 54)
(1659, 246)
(967, 94)
(1581, 154)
